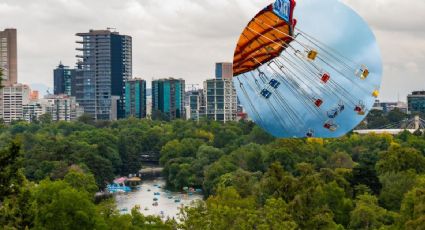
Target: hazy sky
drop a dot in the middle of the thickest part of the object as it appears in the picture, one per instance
(184, 38)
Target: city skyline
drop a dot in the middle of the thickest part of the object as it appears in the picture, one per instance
(168, 42)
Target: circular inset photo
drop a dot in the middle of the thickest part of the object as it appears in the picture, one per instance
(307, 69)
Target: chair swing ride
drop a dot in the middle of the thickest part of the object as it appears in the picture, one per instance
(297, 84)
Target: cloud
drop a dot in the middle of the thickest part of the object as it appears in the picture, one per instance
(400, 31)
(184, 38)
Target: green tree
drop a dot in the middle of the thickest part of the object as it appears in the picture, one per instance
(368, 215)
(11, 176)
(249, 157)
(15, 196)
(376, 119)
(413, 207)
(130, 149)
(398, 159)
(59, 206)
(259, 136)
(213, 173)
(277, 183)
(396, 115)
(335, 198)
(341, 160)
(394, 186)
(87, 119)
(228, 210)
(243, 181)
(365, 174)
(45, 118)
(81, 181)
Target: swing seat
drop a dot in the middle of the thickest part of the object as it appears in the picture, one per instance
(365, 74)
(312, 54)
(309, 134)
(330, 126)
(358, 109)
(318, 102)
(333, 114)
(266, 94)
(274, 83)
(325, 77)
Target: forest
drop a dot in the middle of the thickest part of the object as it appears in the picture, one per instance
(50, 171)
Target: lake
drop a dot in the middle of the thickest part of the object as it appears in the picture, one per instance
(144, 198)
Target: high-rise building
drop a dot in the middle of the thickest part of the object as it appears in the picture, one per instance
(149, 103)
(416, 102)
(60, 107)
(63, 107)
(387, 107)
(135, 98)
(63, 78)
(12, 99)
(195, 107)
(168, 98)
(224, 70)
(105, 65)
(8, 57)
(220, 100)
(34, 109)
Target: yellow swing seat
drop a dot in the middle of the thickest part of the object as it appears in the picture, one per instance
(364, 74)
(312, 54)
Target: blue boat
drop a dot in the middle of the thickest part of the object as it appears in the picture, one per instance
(156, 193)
(114, 188)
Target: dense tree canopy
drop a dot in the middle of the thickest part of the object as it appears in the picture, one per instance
(50, 171)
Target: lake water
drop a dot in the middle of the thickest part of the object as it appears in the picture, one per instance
(144, 198)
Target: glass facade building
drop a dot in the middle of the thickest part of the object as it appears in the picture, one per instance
(105, 65)
(62, 80)
(224, 70)
(168, 98)
(416, 102)
(135, 98)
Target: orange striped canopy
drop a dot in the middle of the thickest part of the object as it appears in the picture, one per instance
(264, 38)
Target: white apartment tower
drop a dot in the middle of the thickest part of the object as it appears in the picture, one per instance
(11, 100)
(220, 100)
